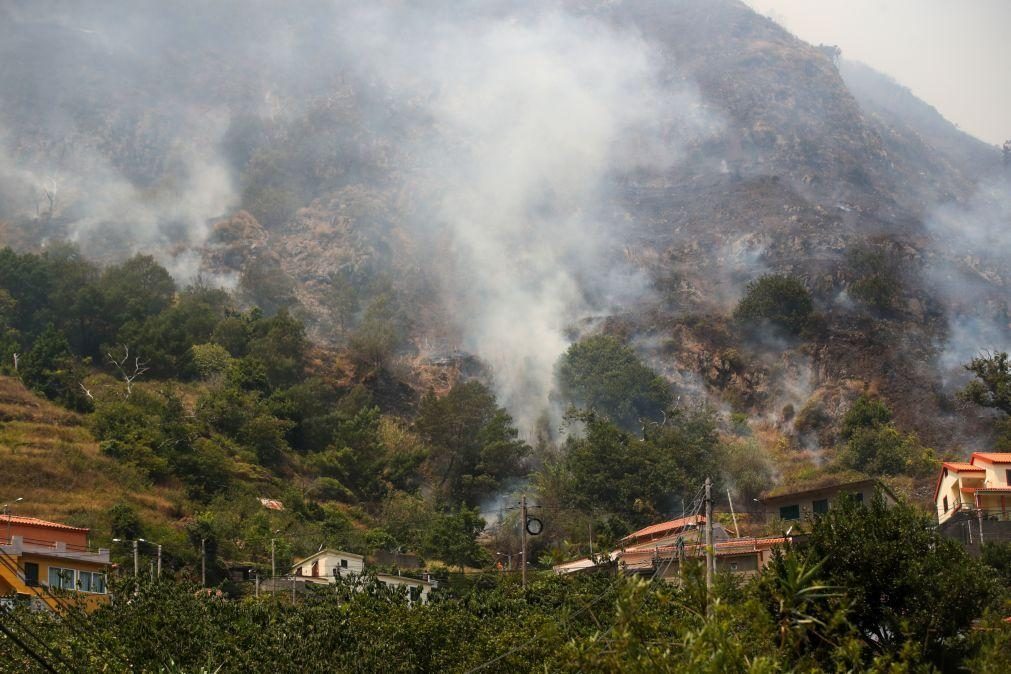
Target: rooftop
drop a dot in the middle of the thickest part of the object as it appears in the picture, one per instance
(777, 495)
(664, 527)
(960, 467)
(36, 522)
(993, 457)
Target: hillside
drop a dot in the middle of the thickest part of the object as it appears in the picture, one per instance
(52, 461)
(445, 197)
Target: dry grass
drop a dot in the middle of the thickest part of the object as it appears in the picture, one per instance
(50, 459)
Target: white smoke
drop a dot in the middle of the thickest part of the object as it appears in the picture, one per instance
(972, 274)
(535, 116)
(108, 215)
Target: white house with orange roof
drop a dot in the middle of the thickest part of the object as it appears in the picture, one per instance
(981, 486)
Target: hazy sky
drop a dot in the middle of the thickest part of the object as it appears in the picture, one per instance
(954, 54)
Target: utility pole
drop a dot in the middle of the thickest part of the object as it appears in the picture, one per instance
(709, 539)
(159, 560)
(273, 566)
(523, 539)
(203, 562)
(256, 579)
(590, 527)
(136, 558)
(737, 532)
(9, 515)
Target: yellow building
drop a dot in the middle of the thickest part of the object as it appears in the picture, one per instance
(981, 487)
(50, 564)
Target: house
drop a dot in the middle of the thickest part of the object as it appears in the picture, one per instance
(660, 548)
(800, 504)
(686, 528)
(327, 565)
(982, 486)
(745, 556)
(50, 564)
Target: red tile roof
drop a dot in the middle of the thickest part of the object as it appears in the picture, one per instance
(36, 522)
(662, 527)
(963, 467)
(993, 457)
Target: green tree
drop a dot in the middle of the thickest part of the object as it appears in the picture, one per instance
(135, 290)
(778, 300)
(452, 537)
(904, 580)
(279, 342)
(992, 386)
(51, 369)
(610, 470)
(603, 374)
(380, 334)
(475, 448)
(874, 445)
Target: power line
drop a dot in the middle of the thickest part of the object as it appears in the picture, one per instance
(34, 656)
(72, 620)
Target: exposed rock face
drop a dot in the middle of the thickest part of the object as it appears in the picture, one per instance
(812, 159)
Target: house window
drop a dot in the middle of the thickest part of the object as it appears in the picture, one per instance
(31, 574)
(344, 563)
(791, 512)
(62, 579)
(820, 506)
(414, 592)
(1007, 477)
(96, 582)
(860, 497)
(945, 504)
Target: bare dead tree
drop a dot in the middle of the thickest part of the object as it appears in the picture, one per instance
(49, 194)
(86, 391)
(127, 370)
(17, 359)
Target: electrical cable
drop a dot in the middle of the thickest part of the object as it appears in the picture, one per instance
(72, 620)
(34, 656)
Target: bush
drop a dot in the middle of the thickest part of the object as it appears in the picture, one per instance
(778, 300)
(877, 283)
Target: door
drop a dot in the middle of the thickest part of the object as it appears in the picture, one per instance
(31, 574)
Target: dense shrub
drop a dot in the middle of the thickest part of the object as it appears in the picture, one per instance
(778, 300)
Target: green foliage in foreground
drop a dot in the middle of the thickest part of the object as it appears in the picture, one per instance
(875, 590)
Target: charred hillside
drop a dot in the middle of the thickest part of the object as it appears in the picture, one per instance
(275, 162)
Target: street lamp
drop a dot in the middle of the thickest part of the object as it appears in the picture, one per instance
(136, 553)
(7, 514)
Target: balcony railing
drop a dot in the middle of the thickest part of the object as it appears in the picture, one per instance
(20, 544)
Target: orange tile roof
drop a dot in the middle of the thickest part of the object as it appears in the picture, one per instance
(993, 457)
(962, 467)
(36, 522)
(679, 523)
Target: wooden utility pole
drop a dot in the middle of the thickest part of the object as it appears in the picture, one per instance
(136, 558)
(709, 539)
(523, 540)
(203, 562)
(737, 532)
(159, 560)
